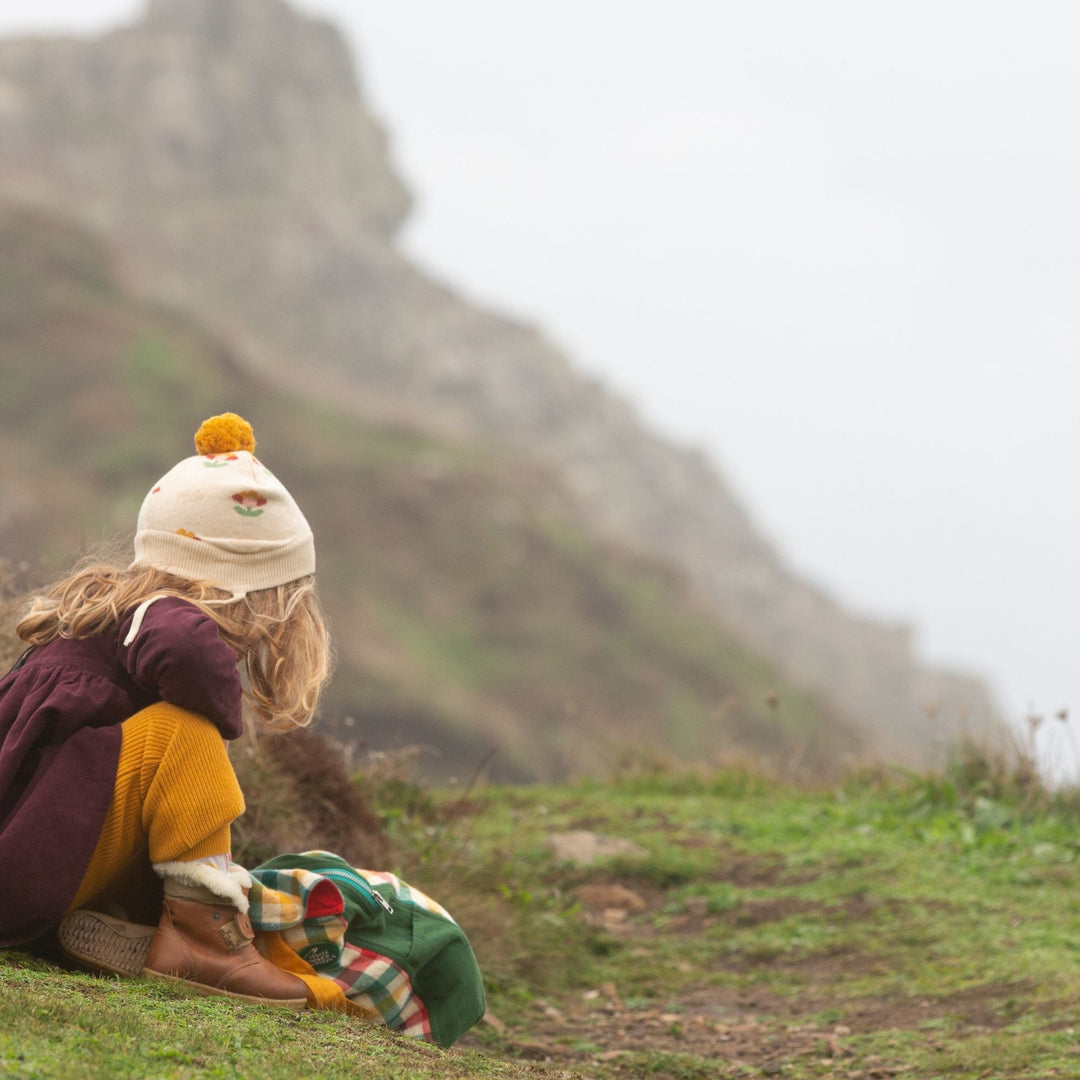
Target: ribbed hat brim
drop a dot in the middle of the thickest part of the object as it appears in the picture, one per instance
(239, 566)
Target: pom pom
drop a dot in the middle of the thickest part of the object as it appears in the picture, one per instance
(223, 434)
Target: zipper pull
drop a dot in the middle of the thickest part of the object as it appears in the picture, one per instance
(358, 883)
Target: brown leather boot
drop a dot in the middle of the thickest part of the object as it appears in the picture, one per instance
(205, 940)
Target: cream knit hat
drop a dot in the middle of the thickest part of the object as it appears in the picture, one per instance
(223, 517)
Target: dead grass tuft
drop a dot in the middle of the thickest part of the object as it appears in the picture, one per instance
(299, 796)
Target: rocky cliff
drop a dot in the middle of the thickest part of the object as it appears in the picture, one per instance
(224, 149)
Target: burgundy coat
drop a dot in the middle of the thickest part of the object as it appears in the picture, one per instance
(60, 715)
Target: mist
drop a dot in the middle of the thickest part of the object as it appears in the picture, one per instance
(835, 248)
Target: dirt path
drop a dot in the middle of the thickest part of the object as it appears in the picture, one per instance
(742, 1028)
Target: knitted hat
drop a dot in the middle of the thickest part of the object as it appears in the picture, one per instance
(223, 517)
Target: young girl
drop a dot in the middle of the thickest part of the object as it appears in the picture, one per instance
(115, 784)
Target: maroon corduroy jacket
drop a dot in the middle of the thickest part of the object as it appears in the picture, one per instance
(60, 716)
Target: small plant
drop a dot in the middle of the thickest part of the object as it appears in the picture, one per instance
(1027, 772)
(391, 779)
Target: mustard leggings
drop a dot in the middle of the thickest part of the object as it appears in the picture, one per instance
(175, 798)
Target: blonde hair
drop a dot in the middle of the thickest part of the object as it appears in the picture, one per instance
(280, 634)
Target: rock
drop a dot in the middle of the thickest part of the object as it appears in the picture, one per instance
(494, 1023)
(536, 1051)
(605, 898)
(585, 848)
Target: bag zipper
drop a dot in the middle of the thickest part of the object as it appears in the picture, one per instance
(354, 879)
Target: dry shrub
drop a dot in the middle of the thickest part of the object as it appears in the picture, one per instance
(299, 796)
(1021, 771)
(335, 806)
(1007, 773)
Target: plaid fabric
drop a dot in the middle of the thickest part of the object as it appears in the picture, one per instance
(280, 900)
(283, 897)
(391, 949)
(293, 901)
(376, 982)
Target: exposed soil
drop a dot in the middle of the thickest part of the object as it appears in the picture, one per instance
(756, 1029)
(748, 1027)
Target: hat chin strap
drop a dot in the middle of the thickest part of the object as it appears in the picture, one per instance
(136, 623)
(140, 611)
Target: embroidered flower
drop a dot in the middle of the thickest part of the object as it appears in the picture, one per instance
(248, 503)
(214, 461)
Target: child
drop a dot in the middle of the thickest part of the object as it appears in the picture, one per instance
(112, 758)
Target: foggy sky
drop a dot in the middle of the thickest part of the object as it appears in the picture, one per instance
(835, 245)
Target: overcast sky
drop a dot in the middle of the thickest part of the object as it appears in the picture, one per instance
(836, 245)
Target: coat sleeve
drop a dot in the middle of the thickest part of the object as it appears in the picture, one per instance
(179, 656)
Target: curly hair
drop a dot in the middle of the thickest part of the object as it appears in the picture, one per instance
(280, 634)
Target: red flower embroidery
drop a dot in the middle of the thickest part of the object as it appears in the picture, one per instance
(248, 503)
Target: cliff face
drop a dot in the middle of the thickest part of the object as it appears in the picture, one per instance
(475, 612)
(223, 148)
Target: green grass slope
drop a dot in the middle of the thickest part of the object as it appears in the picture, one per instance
(474, 613)
(920, 927)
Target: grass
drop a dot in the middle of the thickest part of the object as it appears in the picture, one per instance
(54, 1026)
(931, 937)
(895, 925)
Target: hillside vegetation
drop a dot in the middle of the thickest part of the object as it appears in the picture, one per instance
(225, 151)
(475, 613)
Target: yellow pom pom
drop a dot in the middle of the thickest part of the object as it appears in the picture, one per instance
(224, 434)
